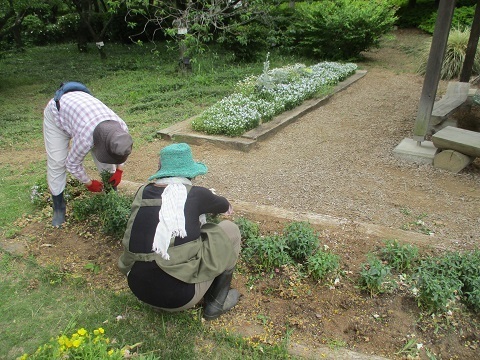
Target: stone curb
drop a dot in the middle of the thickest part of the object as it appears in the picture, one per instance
(245, 208)
(182, 131)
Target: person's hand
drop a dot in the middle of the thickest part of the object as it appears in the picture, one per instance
(95, 186)
(116, 178)
(229, 211)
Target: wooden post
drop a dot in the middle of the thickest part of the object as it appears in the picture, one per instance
(434, 68)
(471, 47)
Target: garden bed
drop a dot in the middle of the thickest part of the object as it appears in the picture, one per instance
(183, 131)
(324, 319)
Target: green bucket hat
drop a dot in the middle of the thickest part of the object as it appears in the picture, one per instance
(177, 160)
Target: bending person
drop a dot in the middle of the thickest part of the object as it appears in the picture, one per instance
(75, 115)
(172, 258)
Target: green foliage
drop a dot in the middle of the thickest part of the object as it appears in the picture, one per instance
(454, 55)
(439, 282)
(82, 344)
(110, 209)
(449, 278)
(321, 264)
(248, 229)
(266, 253)
(298, 245)
(340, 29)
(53, 275)
(38, 30)
(245, 41)
(412, 17)
(401, 257)
(462, 19)
(376, 277)
(301, 239)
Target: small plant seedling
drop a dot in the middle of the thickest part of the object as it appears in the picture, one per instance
(400, 257)
(375, 277)
(95, 268)
(301, 239)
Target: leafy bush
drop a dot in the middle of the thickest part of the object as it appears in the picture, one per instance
(454, 55)
(412, 17)
(375, 277)
(339, 29)
(260, 98)
(321, 264)
(462, 19)
(248, 229)
(301, 239)
(400, 257)
(246, 41)
(266, 253)
(439, 282)
(470, 277)
(109, 208)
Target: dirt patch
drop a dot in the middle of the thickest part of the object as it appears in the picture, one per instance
(336, 161)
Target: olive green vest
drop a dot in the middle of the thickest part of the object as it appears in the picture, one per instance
(196, 261)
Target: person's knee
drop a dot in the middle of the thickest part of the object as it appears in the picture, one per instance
(233, 232)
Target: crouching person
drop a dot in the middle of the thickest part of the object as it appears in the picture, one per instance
(172, 258)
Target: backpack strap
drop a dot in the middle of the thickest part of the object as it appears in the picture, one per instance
(68, 87)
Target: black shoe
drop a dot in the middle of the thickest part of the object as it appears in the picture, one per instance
(59, 209)
(220, 298)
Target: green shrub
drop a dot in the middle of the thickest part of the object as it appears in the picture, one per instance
(248, 229)
(375, 277)
(438, 281)
(266, 253)
(321, 264)
(470, 277)
(339, 29)
(462, 19)
(247, 41)
(301, 239)
(400, 257)
(412, 17)
(454, 55)
(110, 209)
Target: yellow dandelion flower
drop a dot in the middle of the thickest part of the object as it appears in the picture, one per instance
(76, 343)
(23, 357)
(82, 332)
(68, 343)
(61, 340)
(110, 352)
(75, 336)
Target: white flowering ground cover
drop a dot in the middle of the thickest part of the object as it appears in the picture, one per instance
(257, 99)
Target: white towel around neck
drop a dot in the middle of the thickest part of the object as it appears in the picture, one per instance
(171, 215)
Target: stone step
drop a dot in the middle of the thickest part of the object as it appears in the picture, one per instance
(464, 141)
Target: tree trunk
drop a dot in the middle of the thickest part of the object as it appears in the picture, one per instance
(471, 46)
(82, 41)
(17, 31)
